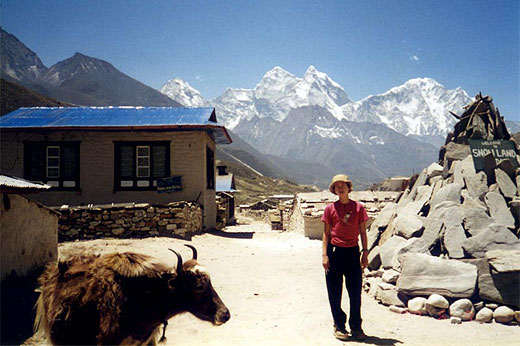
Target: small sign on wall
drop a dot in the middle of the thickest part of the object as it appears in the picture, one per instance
(169, 184)
(500, 149)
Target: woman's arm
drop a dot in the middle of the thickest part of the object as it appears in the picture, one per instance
(325, 244)
(364, 249)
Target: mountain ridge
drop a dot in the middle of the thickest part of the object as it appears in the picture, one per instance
(80, 79)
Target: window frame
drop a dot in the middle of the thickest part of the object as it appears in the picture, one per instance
(210, 169)
(60, 181)
(138, 183)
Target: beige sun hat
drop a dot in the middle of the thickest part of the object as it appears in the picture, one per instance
(338, 178)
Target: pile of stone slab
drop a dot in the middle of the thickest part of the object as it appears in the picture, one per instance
(454, 231)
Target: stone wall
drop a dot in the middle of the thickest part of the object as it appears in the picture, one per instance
(26, 243)
(176, 219)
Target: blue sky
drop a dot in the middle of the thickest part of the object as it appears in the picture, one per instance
(366, 46)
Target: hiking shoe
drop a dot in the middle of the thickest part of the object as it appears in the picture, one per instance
(359, 334)
(340, 333)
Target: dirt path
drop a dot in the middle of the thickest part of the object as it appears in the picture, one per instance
(274, 286)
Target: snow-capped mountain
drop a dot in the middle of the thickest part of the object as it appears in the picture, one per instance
(419, 107)
(180, 91)
(275, 95)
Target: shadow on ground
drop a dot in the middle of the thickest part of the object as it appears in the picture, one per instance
(239, 235)
(374, 340)
(17, 308)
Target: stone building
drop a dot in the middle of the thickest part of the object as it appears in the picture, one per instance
(103, 155)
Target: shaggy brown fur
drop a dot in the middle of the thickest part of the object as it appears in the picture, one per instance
(120, 298)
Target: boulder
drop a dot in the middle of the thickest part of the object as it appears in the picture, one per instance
(494, 237)
(456, 170)
(422, 274)
(390, 276)
(449, 192)
(438, 301)
(503, 314)
(476, 184)
(397, 309)
(454, 237)
(373, 283)
(504, 260)
(390, 249)
(420, 181)
(471, 202)
(497, 287)
(384, 217)
(455, 320)
(434, 170)
(374, 259)
(514, 206)
(462, 308)
(498, 209)
(506, 185)
(417, 306)
(475, 219)
(432, 227)
(456, 151)
(436, 305)
(387, 294)
(408, 225)
(485, 315)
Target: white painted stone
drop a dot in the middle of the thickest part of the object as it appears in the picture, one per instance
(503, 314)
(485, 315)
(462, 308)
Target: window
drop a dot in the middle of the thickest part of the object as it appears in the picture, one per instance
(138, 165)
(54, 163)
(210, 169)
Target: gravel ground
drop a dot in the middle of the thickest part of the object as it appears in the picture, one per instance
(274, 286)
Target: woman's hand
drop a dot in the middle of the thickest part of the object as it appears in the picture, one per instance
(325, 261)
(364, 259)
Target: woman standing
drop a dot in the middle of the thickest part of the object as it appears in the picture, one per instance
(344, 221)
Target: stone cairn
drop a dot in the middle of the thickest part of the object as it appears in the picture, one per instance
(449, 246)
(133, 220)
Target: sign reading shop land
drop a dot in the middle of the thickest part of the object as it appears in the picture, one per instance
(500, 149)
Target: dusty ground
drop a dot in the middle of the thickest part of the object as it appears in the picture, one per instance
(274, 286)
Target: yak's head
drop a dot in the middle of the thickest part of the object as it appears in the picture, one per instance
(197, 294)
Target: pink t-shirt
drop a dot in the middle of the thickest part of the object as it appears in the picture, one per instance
(344, 221)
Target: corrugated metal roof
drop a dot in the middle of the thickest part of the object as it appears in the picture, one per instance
(19, 183)
(116, 118)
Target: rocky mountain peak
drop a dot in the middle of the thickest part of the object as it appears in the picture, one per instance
(18, 62)
(182, 92)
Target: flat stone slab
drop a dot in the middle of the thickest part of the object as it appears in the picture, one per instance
(494, 237)
(389, 250)
(499, 210)
(423, 275)
(449, 192)
(506, 185)
(504, 260)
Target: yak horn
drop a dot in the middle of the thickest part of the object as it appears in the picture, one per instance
(179, 261)
(192, 249)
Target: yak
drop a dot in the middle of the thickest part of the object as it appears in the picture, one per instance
(121, 298)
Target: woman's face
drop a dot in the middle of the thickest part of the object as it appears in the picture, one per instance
(341, 188)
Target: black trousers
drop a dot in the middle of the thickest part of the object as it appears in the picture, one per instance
(344, 262)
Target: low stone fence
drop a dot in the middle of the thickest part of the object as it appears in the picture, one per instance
(176, 219)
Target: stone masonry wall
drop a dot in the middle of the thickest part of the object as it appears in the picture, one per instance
(176, 219)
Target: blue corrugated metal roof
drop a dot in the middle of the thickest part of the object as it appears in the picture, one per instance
(85, 118)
